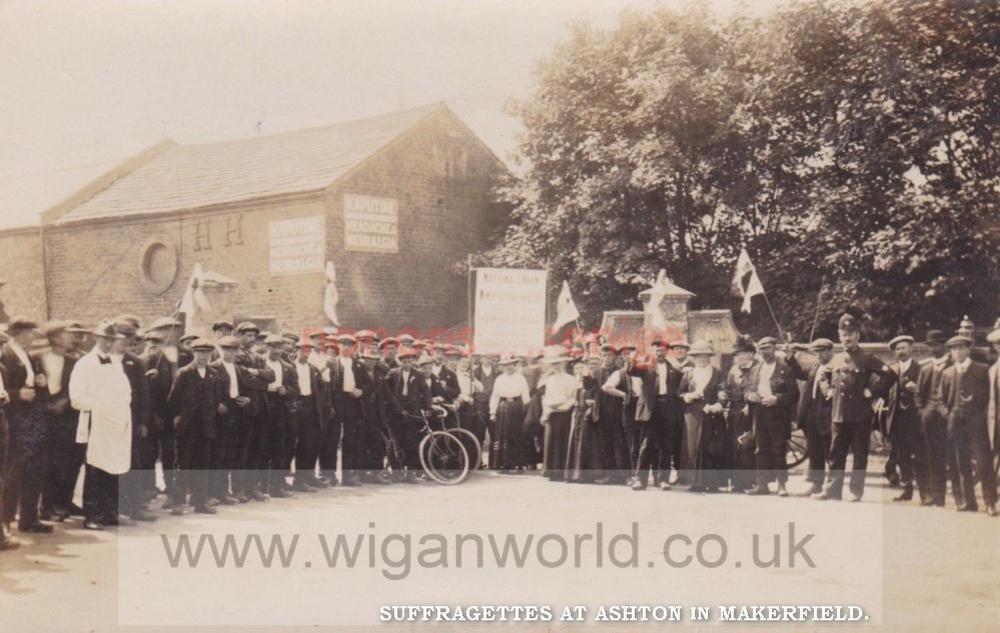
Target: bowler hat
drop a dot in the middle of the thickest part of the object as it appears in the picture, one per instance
(935, 336)
(743, 344)
(19, 324)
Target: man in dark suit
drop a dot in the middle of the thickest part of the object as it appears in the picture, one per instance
(233, 401)
(66, 456)
(6, 542)
(934, 421)
(132, 492)
(814, 410)
(407, 393)
(349, 382)
(902, 423)
(278, 432)
(770, 393)
(307, 417)
(965, 391)
(193, 399)
(162, 364)
(25, 384)
(252, 433)
(659, 417)
(859, 378)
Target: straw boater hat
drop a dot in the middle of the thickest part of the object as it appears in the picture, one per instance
(900, 339)
(507, 359)
(701, 348)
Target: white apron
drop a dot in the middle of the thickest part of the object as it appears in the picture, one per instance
(109, 436)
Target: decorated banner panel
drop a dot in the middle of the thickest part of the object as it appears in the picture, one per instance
(371, 224)
(297, 246)
(510, 310)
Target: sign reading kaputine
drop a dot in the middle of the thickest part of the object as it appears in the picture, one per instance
(297, 246)
(371, 224)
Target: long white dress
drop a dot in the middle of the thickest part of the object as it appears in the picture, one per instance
(102, 394)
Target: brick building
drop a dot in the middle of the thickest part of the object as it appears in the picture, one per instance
(396, 202)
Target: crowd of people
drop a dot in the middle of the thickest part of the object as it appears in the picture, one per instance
(242, 415)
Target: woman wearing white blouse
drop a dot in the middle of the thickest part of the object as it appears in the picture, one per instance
(507, 402)
(557, 410)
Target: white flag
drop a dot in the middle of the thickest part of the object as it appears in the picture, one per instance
(565, 308)
(331, 297)
(746, 283)
(194, 298)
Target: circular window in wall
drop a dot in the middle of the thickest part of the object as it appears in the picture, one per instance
(159, 265)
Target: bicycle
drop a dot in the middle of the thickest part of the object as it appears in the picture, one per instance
(442, 455)
(472, 444)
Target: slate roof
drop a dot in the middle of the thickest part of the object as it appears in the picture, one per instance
(192, 176)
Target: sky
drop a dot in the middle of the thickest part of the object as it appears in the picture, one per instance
(84, 85)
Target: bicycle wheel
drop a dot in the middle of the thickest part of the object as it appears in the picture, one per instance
(444, 458)
(471, 444)
(795, 452)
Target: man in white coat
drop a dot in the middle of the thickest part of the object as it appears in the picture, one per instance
(100, 390)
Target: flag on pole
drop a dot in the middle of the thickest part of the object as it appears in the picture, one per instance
(194, 298)
(565, 308)
(330, 297)
(746, 283)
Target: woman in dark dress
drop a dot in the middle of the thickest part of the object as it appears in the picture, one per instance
(742, 461)
(559, 409)
(507, 402)
(704, 422)
(585, 459)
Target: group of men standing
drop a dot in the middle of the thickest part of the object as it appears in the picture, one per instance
(240, 416)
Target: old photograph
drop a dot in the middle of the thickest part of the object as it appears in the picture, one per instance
(528, 315)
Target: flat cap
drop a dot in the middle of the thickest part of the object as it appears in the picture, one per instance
(262, 336)
(126, 328)
(453, 351)
(902, 338)
(364, 335)
(626, 346)
(163, 323)
(77, 327)
(229, 342)
(957, 341)
(290, 336)
(202, 345)
(701, 348)
(346, 339)
(153, 337)
(222, 325)
(188, 336)
(19, 324)
(406, 353)
(681, 343)
(767, 340)
(847, 323)
(274, 339)
(406, 339)
(389, 340)
(129, 318)
(425, 360)
(821, 343)
(247, 326)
